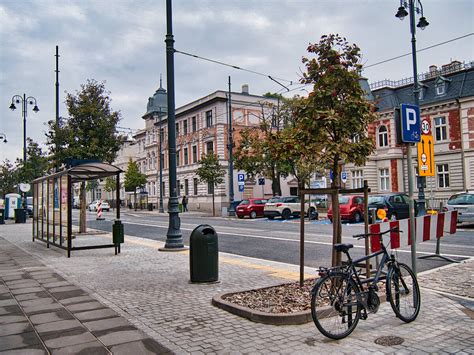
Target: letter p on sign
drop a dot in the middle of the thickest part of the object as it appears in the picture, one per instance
(411, 127)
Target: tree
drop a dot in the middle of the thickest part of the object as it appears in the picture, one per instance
(36, 164)
(110, 184)
(211, 172)
(333, 120)
(134, 179)
(90, 131)
(8, 178)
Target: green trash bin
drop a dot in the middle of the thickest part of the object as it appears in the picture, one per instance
(117, 232)
(203, 254)
(20, 215)
(2, 216)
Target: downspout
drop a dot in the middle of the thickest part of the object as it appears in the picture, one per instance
(463, 161)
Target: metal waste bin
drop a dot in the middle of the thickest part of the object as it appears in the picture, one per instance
(20, 215)
(2, 216)
(117, 232)
(203, 254)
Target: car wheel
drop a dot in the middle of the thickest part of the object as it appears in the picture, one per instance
(357, 217)
(253, 214)
(240, 216)
(271, 217)
(286, 214)
(393, 217)
(312, 214)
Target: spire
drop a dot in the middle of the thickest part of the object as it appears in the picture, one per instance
(161, 87)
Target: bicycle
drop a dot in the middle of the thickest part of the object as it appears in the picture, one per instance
(339, 299)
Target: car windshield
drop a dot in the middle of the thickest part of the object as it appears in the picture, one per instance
(244, 202)
(461, 199)
(274, 200)
(375, 199)
(343, 200)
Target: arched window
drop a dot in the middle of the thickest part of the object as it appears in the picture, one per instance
(383, 136)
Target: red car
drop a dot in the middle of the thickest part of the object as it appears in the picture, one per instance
(253, 207)
(351, 208)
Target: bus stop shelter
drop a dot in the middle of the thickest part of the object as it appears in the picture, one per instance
(53, 202)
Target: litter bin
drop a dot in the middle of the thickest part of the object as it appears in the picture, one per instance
(117, 232)
(20, 215)
(2, 216)
(203, 254)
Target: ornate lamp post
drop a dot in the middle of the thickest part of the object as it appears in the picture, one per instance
(25, 101)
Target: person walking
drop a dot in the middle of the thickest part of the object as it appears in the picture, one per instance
(184, 202)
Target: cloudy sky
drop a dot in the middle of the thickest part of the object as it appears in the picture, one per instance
(121, 42)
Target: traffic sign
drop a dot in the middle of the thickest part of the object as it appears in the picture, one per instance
(331, 176)
(426, 156)
(241, 178)
(344, 176)
(261, 181)
(241, 188)
(425, 126)
(411, 130)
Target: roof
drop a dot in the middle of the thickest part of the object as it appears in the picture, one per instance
(458, 85)
(87, 171)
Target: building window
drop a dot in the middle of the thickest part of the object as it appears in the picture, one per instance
(195, 186)
(420, 94)
(163, 188)
(443, 175)
(440, 129)
(440, 89)
(178, 157)
(186, 187)
(357, 179)
(162, 162)
(210, 147)
(355, 138)
(185, 156)
(185, 127)
(162, 134)
(209, 118)
(177, 129)
(194, 123)
(384, 179)
(195, 154)
(210, 188)
(178, 188)
(383, 136)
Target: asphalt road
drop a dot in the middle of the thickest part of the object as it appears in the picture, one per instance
(280, 240)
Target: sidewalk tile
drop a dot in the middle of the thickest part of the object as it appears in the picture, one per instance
(60, 314)
(58, 326)
(18, 341)
(69, 338)
(15, 328)
(146, 346)
(97, 314)
(91, 348)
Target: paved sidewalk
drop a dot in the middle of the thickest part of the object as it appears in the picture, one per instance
(141, 302)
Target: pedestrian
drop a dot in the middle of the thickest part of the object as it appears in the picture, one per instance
(184, 202)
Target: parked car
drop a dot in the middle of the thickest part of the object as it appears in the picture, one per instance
(463, 203)
(395, 205)
(29, 206)
(351, 208)
(285, 207)
(252, 207)
(95, 205)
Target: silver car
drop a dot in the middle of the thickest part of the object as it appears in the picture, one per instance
(463, 203)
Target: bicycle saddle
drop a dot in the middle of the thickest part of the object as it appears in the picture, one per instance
(343, 247)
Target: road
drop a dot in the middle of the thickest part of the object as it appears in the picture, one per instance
(280, 240)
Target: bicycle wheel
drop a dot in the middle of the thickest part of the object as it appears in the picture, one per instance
(403, 292)
(334, 305)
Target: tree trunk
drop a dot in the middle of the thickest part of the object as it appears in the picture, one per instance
(213, 206)
(135, 200)
(83, 217)
(276, 186)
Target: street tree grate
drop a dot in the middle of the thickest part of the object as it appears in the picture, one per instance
(389, 340)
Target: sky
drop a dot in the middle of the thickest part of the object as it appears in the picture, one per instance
(121, 42)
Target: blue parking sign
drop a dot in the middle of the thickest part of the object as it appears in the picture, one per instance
(241, 188)
(240, 177)
(410, 122)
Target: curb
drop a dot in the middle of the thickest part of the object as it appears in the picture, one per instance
(261, 317)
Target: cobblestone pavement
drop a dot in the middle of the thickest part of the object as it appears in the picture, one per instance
(151, 290)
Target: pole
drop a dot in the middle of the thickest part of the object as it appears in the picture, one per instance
(24, 143)
(230, 145)
(416, 96)
(57, 102)
(174, 238)
(161, 209)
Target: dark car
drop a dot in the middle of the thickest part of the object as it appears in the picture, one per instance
(252, 207)
(395, 205)
(351, 208)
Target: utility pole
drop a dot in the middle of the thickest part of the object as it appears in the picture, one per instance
(57, 103)
(230, 145)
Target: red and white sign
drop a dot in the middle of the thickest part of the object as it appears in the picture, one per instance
(429, 227)
(425, 126)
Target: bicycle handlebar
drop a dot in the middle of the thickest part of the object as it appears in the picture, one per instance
(365, 235)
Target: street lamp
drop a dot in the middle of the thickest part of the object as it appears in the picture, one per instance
(230, 146)
(3, 137)
(25, 101)
(415, 7)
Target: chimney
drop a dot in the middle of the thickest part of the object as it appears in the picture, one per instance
(245, 89)
(433, 69)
